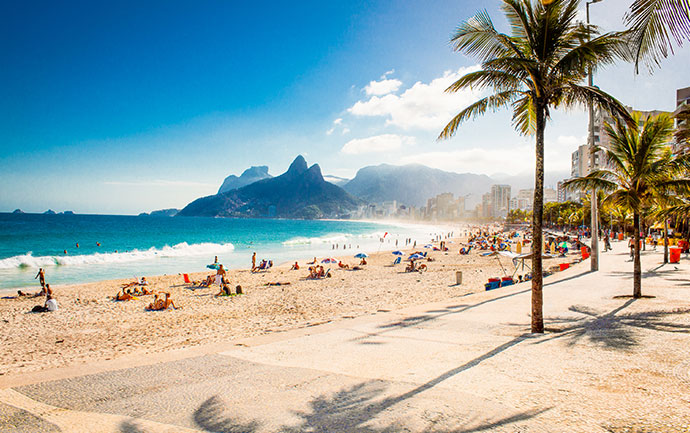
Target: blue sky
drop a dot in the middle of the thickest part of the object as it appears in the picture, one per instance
(124, 107)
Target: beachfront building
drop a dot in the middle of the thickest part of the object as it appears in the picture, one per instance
(444, 207)
(486, 206)
(500, 200)
(682, 98)
(525, 198)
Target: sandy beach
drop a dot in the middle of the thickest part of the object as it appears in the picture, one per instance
(90, 326)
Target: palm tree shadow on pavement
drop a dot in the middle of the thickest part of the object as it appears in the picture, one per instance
(354, 409)
(613, 330)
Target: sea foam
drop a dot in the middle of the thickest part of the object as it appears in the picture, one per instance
(180, 250)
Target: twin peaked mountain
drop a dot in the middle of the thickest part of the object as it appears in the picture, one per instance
(300, 192)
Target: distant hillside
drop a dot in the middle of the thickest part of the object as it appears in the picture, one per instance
(300, 192)
(413, 184)
(161, 213)
(249, 176)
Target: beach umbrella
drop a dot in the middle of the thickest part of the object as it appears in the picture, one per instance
(361, 256)
(415, 257)
(428, 246)
(398, 253)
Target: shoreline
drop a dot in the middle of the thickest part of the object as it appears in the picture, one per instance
(89, 325)
(156, 260)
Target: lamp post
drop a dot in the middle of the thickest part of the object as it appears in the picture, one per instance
(594, 260)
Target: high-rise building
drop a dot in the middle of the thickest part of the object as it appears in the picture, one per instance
(682, 98)
(500, 200)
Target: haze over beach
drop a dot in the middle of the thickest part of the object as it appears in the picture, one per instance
(361, 216)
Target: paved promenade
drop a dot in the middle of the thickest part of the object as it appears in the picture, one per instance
(607, 363)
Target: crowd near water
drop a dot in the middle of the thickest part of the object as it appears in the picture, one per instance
(83, 248)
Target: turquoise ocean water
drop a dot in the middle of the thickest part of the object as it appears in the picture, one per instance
(139, 246)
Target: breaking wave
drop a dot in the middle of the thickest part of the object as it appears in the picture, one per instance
(333, 238)
(180, 250)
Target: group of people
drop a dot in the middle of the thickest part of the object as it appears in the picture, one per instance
(50, 303)
(317, 272)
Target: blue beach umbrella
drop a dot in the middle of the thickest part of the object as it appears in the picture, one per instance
(361, 256)
(428, 246)
(415, 257)
(397, 253)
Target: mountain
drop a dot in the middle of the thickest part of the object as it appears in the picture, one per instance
(49, 212)
(161, 213)
(18, 211)
(250, 175)
(413, 184)
(300, 192)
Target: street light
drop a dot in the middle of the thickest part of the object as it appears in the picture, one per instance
(594, 260)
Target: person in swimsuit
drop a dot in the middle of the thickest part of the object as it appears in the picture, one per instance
(41, 275)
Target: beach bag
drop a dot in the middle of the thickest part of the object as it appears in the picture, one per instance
(238, 289)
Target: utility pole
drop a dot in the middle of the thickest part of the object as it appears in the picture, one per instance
(594, 259)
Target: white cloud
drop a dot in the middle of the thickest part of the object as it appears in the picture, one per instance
(387, 73)
(330, 131)
(377, 143)
(423, 106)
(382, 87)
(346, 131)
(492, 158)
(338, 121)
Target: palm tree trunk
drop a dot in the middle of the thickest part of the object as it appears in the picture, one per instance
(537, 216)
(665, 241)
(637, 267)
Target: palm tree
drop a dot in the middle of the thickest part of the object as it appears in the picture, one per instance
(642, 165)
(654, 26)
(541, 65)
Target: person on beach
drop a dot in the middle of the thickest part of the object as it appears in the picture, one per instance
(631, 244)
(341, 265)
(50, 305)
(215, 260)
(41, 275)
(363, 262)
(220, 274)
(254, 261)
(159, 304)
(225, 290)
(295, 267)
(124, 295)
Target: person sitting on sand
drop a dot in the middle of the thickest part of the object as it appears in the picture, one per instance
(411, 267)
(341, 265)
(422, 268)
(312, 263)
(50, 305)
(162, 304)
(363, 262)
(124, 295)
(143, 282)
(225, 290)
(295, 267)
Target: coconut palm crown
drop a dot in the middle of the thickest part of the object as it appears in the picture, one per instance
(643, 173)
(539, 66)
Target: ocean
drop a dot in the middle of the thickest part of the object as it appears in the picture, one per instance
(111, 246)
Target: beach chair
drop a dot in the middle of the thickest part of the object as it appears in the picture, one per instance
(397, 261)
(186, 279)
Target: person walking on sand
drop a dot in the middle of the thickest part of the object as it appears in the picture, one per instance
(41, 275)
(254, 261)
(220, 274)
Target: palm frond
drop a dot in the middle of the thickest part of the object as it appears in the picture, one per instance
(654, 27)
(497, 80)
(477, 37)
(492, 102)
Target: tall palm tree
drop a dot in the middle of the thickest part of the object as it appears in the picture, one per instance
(541, 65)
(654, 27)
(682, 134)
(642, 165)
